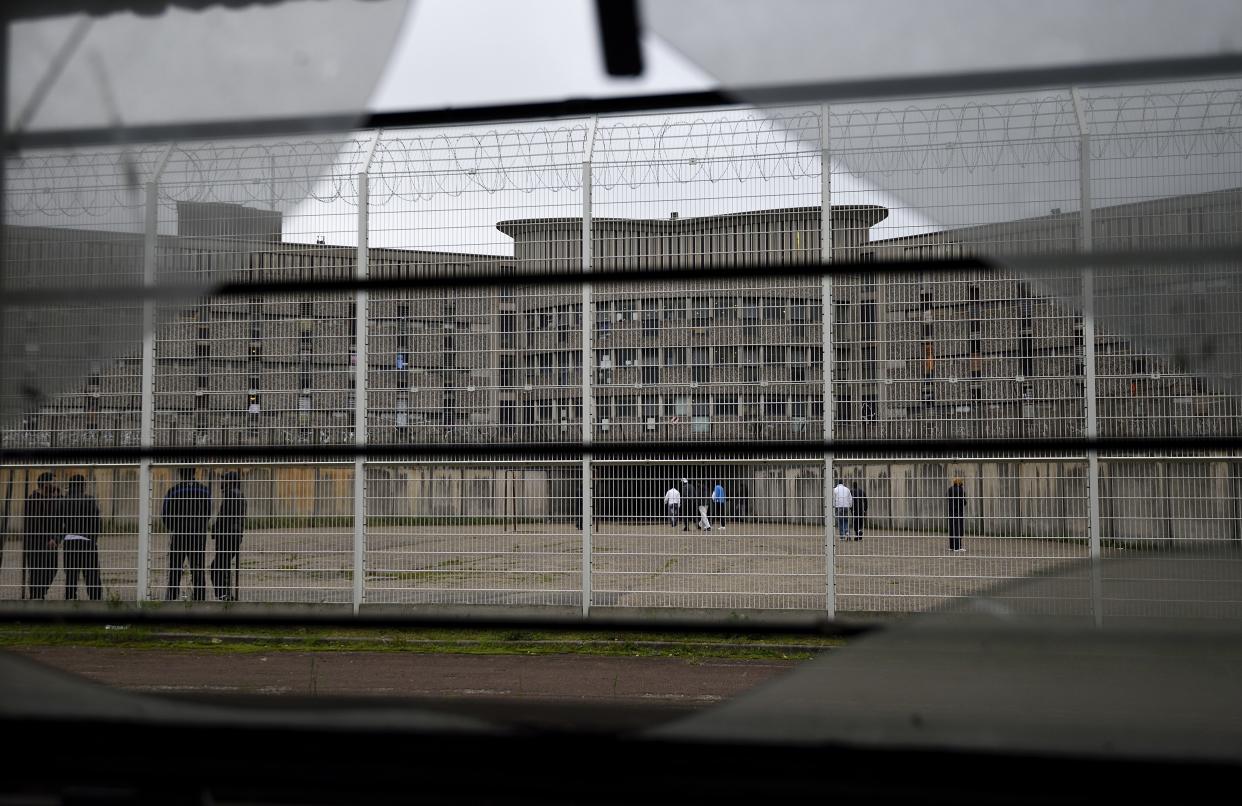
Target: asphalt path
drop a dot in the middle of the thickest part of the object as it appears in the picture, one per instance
(541, 690)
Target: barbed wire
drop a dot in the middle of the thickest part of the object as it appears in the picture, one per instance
(1037, 131)
(745, 145)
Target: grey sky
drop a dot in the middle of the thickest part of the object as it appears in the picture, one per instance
(464, 52)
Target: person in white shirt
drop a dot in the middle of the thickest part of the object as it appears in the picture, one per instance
(672, 504)
(842, 501)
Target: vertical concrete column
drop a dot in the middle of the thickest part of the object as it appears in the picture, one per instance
(1088, 355)
(826, 358)
(588, 352)
(361, 329)
(146, 421)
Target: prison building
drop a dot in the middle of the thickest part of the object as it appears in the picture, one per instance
(913, 356)
(996, 355)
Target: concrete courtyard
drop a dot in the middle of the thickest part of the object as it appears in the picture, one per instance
(749, 566)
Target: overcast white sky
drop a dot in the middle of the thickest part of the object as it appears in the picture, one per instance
(473, 52)
(464, 52)
(468, 52)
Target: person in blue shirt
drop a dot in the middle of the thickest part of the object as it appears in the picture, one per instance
(718, 504)
(186, 512)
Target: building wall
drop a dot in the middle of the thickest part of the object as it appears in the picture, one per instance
(1143, 502)
(914, 356)
(1005, 356)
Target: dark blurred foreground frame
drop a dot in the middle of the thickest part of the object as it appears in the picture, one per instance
(993, 706)
(987, 703)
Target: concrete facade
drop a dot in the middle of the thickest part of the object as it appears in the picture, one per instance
(914, 357)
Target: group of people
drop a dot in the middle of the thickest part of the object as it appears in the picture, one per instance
(52, 521)
(850, 505)
(187, 517)
(70, 521)
(697, 500)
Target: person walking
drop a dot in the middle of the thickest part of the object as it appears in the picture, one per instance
(689, 499)
(42, 528)
(672, 504)
(82, 526)
(718, 504)
(859, 494)
(842, 501)
(186, 512)
(704, 504)
(956, 500)
(227, 531)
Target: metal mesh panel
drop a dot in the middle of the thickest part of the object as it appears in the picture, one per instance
(282, 534)
(458, 533)
(702, 533)
(895, 357)
(1180, 514)
(1018, 517)
(38, 557)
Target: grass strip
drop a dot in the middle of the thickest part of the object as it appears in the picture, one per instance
(463, 641)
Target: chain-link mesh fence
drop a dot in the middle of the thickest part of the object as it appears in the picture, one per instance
(1018, 351)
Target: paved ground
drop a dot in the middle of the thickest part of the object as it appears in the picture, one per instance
(749, 565)
(617, 692)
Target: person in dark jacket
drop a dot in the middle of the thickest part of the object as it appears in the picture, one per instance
(956, 500)
(227, 533)
(860, 509)
(82, 526)
(41, 524)
(694, 503)
(186, 512)
(689, 504)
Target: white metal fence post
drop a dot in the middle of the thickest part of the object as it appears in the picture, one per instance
(826, 358)
(588, 398)
(1088, 355)
(361, 327)
(146, 422)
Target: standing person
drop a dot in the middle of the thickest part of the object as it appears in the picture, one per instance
(227, 532)
(672, 504)
(704, 503)
(41, 524)
(842, 501)
(186, 511)
(956, 500)
(82, 527)
(688, 497)
(718, 504)
(859, 494)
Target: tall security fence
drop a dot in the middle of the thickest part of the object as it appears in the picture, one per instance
(510, 532)
(734, 348)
